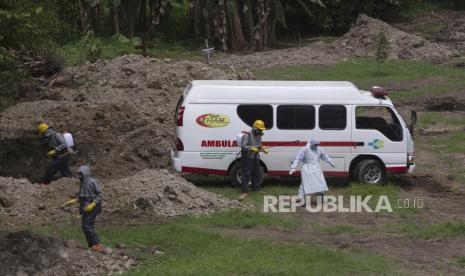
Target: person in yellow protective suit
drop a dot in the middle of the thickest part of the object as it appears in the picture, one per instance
(57, 152)
(251, 145)
(90, 205)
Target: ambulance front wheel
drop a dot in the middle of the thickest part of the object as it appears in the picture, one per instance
(370, 171)
(235, 175)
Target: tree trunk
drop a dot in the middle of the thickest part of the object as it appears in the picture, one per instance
(250, 23)
(195, 7)
(131, 10)
(83, 22)
(206, 18)
(115, 13)
(142, 16)
(237, 36)
(223, 25)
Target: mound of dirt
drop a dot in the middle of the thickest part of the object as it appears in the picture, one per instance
(157, 194)
(120, 113)
(445, 26)
(360, 41)
(444, 104)
(25, 253)
(162, 194)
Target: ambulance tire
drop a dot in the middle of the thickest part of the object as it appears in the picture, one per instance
(370, 171)
(235, 175)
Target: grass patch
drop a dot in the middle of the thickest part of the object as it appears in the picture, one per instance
(192, 250)
(461, 261)
(221, 186)
(440, 118)
(74, 52)
(391, 191)
(363, 72)
(453, 82)
(431, 231)
(245, 219)
(452, 143)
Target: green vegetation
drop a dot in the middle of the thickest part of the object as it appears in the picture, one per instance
(221, 186)
(453, 143)
(245, 219)
(440, 118)
(461, 261)
(430, 231)
(363, 72)
(391, 191)
(77, 53)
(382, 47)
(192, 250)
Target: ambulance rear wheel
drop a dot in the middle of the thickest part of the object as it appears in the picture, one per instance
(235, 175)
(370, 171)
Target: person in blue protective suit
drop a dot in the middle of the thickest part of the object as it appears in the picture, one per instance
(313, 180)
(90, 205)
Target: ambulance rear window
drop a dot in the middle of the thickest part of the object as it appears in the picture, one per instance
(252, 112)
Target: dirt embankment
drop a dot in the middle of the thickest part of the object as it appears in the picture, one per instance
(359, 41)
(25, 253)
(120, 113)
(151, 195)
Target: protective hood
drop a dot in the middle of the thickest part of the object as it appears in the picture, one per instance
(313, 141)
(85, 171)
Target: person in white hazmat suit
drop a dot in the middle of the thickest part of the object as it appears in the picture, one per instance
(313, 180)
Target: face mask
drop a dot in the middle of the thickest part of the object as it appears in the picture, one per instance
(257, 132)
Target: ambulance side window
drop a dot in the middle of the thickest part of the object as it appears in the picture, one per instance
(379, 118)
(250, 113)
(296, 117)
(332, 117)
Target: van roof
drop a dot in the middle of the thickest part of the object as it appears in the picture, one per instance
(269, 92)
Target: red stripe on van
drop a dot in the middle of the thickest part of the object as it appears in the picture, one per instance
(301, 144)
(203, 170)
(400, 169)
(286, 173)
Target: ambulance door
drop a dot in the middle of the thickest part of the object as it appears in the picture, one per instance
(334, 132)
(378, 131)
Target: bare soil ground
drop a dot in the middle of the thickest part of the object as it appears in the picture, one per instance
(121, 114)
(26, 253)
(447, 27)
(359, 41)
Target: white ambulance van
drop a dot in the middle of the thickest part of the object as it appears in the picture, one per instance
(362, 131)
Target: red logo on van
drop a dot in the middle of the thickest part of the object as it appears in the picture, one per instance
(213, 120)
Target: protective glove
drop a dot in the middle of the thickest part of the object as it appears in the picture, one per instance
(71, 202)
(254, 149)
(292, 171)
(265, 150)
(90, 207)
(51, 153)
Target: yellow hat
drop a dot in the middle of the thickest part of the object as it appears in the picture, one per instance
(42, 127)
(259, 124)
